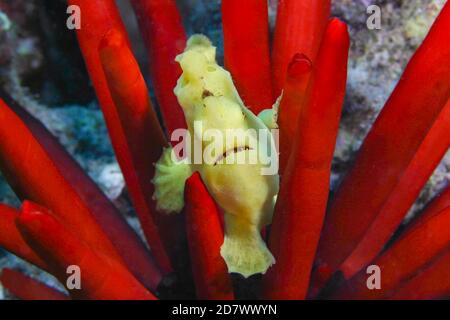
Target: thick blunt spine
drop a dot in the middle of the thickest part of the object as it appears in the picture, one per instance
(205, 235)
(164, 36)
(299, 215)
(299, 28)
(102, 277)
(100, 17)
(247, 55)
(388, 149)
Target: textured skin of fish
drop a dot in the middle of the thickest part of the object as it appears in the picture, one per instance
(208, 96)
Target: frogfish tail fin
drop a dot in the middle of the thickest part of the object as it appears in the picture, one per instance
(244, 250)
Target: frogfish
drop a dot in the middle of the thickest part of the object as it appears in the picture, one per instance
(243, 191)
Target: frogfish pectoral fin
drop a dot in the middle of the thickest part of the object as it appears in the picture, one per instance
(243, 250)
(169, 181)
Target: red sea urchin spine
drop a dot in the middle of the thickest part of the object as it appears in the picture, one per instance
(247, 53)
(440, 202)
(299, 29)
(103, 278)
(419, 245)
(99, 17)
(11, 239)
(142, 131)
(294, 96)
(302, 201)
(388, 149)
(33, 175)
(165, 38)
(26, 288)
(205, 235)
(430, 152)
(125, 240)
(431, 283)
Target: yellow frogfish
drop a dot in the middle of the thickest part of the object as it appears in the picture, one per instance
(225, 131)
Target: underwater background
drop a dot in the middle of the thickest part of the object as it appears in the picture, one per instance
(42, 68)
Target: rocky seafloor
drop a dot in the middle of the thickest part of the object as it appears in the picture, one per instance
(41, 67)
